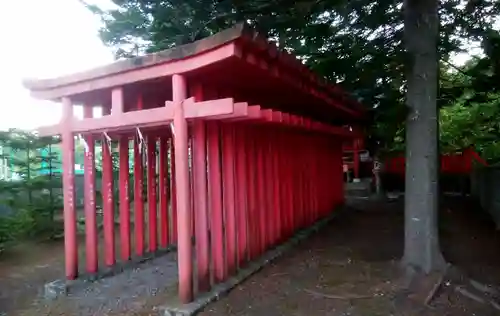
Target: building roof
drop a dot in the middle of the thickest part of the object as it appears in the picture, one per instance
(236, 62)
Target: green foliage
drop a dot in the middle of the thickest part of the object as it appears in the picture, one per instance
(356, 44)
(472, 124)
(33, 191)
(466, 124)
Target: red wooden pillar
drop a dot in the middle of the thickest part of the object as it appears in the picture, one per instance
(173, 192)
(185, 260)
(68, 160)
(138, 200)
(252, 212)
(108, 199)
(117, 108)
(91, 256)
(268, 188)
(215, 196)
(288, 186)
(124, 199)
(261, 190)
(278, 224)
(323, 178)
(292, 196)
(293, 180)
(229, 196)
(302, 179)
(282, 182)
(152, 195)
(291, 207)
(339, 173)
(315, 178)
(242, 218)
(320, 168)
(163, 191)
(284, 179)
(307, 171)
(201, 198)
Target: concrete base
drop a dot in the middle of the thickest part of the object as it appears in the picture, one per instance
(54, 289)
(221, 289)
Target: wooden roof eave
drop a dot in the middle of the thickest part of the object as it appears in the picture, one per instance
(185, 58)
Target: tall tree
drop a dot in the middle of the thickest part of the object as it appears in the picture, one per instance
(421, 188)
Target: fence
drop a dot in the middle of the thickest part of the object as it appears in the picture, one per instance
(485, 186)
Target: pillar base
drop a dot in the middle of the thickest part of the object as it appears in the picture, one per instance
(179, 309)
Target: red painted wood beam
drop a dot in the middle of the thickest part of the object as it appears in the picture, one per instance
(201, 198)
(91, 255)
(310, 175)
(68, 160)
(108, 200)
(138, 198)
(152, 194)
(173, 191)
(276, 196)
(125, 244)
(163, 191)
(138, 185)
(215, 197)
(180, 134)
(304, 171)
(148, 117)
(242, 218)
(261, 190)
(154, 70)
(233, 112)
(292, 196)
(282, 72)
(314, 162)
(228, 150)
(252, 207)
(269, 187)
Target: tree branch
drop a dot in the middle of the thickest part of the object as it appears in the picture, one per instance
(456, 68)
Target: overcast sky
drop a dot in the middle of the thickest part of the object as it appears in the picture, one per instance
(42, 39)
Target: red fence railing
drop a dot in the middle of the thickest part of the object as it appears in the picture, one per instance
(456, 163)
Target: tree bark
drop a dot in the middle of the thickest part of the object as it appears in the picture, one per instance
(422, 250)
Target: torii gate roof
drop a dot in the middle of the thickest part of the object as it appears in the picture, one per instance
(236, 62)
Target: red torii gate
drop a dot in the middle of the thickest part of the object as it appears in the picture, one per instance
(250, 150)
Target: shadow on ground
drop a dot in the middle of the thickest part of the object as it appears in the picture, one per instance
(349, 268)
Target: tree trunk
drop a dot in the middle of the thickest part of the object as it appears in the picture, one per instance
(421, 197)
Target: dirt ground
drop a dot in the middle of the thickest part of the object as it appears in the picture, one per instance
(349, 268)
(355, 262)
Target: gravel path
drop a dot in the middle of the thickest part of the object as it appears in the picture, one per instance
(130, 291)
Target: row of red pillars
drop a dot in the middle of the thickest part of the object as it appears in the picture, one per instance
(236, 187)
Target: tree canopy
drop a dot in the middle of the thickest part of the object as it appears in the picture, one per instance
(356, 44)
